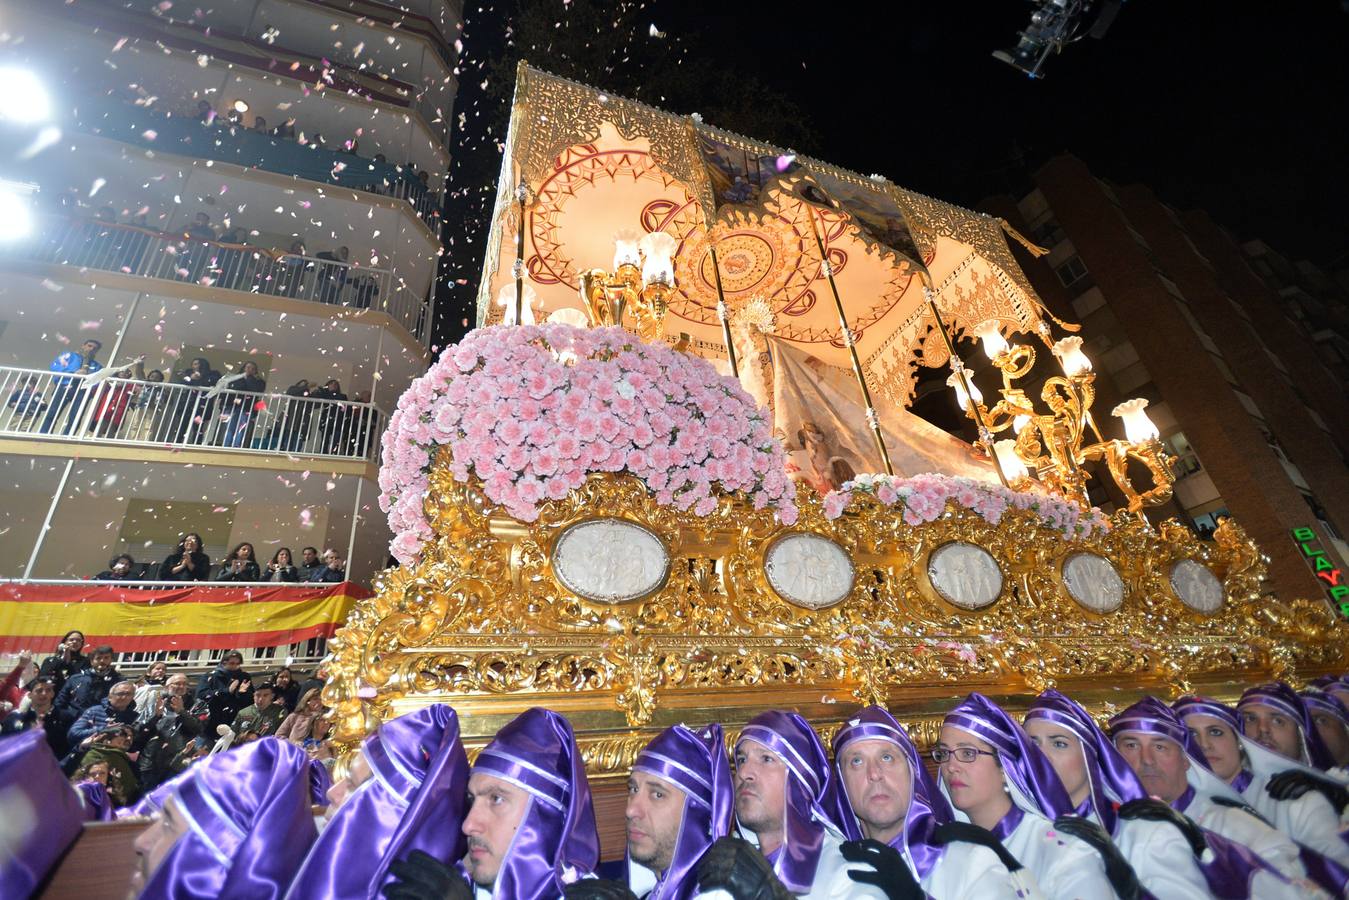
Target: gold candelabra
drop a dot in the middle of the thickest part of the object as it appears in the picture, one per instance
(636, 294)
(1056, 445)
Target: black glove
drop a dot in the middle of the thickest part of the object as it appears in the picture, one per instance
(891, 875)
(1117, 868)
(423, 877)
(736, 866)
(1157, 811)
(969, 833)
(597, 889)
(1295, 782)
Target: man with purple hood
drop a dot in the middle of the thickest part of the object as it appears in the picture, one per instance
(679, 802)
(888, 796)
(1105, 790)
(42, 814)
(1331, 718)
(1288, 762)
(236, 829)
(404, 792)
(1256, 860)
(530, 821)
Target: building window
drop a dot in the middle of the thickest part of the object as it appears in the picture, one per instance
(1048, 233)
(1207, 523)
(1180, 449)
(1071, 271)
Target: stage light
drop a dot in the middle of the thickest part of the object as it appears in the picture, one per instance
(23, 99)
(1054, 25)
(16, 214)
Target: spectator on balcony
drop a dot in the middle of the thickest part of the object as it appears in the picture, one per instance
(362, 422)
(120, 568)
(239, 405)
(66, 661)
(285, 131)
(198, 250)
(226, 690)
(113, 398)
(240, 565)
(26, 398)
(290, 428)
(287, 688)
(90, 687)
(290, 271)
(118, 708)
(364, 290)
(262, 718)
(333, 571)
(71, 389)
(260, 125)
(189, 417)
(310, 563)
(188, 562)
(332, 274)
(11, 694)
(306, 723)
(39, 711)
(332, 416)
(166, 733)
(112, 745)
(205, 114)
(148, 688)
(151, 401)
(281, 569)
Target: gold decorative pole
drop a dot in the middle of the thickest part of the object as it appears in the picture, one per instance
(985, 435)
(723, 313)
(872, 419)
(518, 270)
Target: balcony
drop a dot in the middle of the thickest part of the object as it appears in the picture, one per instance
(230, 143)
(132, 250)
(115, 411)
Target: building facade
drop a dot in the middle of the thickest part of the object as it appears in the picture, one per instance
(1249, 403)
(242, 205)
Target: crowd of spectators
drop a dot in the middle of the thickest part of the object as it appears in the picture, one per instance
(132, 735)
(190, 562)
(228, 411)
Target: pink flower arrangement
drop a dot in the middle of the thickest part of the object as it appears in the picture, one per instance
(923, 498)
(531, 410)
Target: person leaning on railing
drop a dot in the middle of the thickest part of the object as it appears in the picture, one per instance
(281, 568)
(240, 565)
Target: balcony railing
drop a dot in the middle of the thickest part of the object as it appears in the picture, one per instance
(95, 244)
(125, 411)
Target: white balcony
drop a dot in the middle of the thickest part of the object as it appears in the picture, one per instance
(168, 71)
(145, 252)
(82, 409)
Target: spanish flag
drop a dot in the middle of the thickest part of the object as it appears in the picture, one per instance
(195, 617)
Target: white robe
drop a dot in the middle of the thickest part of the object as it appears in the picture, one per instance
(969, 870)
(1161, 858)
(1271, 845)
(1065, 867)
(1310, 819)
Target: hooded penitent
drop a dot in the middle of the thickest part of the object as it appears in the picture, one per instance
(42, 814)
(927, 810)
(557, 841)
(1279, 696)
(414, 800)
(249, 825)
(696, 763)
(812, 802)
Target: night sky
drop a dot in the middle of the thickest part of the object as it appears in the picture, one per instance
(1237, 108)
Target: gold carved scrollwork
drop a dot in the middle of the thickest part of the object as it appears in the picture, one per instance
(481, 621)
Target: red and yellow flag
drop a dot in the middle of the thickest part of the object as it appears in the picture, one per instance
(35, 616)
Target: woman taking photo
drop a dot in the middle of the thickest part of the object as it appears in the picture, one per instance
(282, 567)
(306, 726)
(240, 565)
(66, 661)
(189, 563)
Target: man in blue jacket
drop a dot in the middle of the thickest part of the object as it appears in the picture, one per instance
(118, 708)
(88, 688)
(79, 362)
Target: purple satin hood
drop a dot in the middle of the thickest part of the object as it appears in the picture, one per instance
(42, 813)
(97, 803)
(812, 801)
(557, 841)
(696, 763)
(1325, 702)
(1035, 786)
(927, 807)
(414, 800)
(1280, 696)
(249, 821)
(1112, 781)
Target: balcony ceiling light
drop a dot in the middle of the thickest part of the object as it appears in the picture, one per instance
(23, 99)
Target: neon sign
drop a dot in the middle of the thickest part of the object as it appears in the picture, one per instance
(1337, 586)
